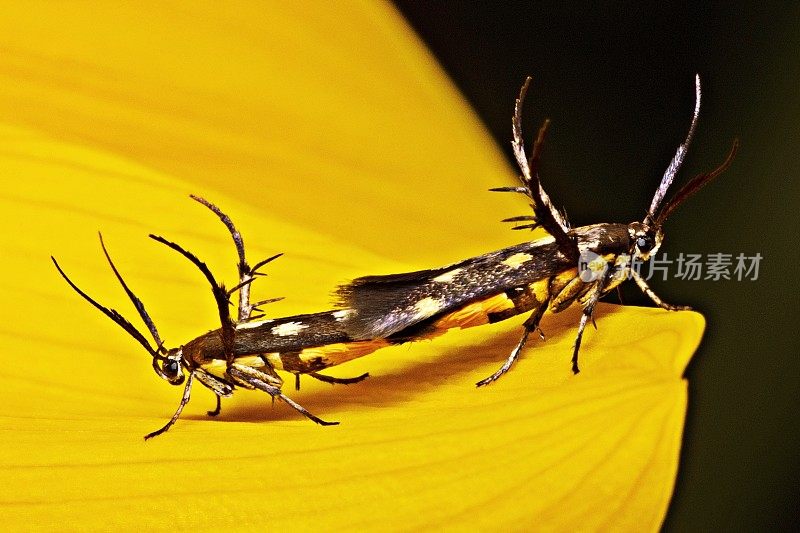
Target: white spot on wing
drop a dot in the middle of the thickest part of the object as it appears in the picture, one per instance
(255, 324)
(288, 328)
(544, 241)
(447, 277)
(517, 260)
(426, 307)
(341, 315)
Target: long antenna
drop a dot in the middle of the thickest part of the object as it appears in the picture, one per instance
(694, 185)
(677, 161)
(137, 303)
(112, 314)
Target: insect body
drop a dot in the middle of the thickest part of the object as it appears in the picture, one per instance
(572, 265)
(246, 352)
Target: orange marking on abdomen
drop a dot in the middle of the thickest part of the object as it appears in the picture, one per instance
(475, 313)
(320, 357)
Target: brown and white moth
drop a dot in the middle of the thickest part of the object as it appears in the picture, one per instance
(247, 351)
(572, 265)
(379, 311)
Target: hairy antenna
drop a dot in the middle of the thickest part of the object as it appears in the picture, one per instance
(117, 318)
(694, 185)
(677, 160)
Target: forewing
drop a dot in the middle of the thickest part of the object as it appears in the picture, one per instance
(383, 305)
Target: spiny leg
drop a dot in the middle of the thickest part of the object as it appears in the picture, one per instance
(259, 380)
(330, 379)
(221, 295)
(247, 273)
(338, 381)
(299, 408)
(531, 324)
(545, 214)
(509, 361)
(654, 297)
(243, 267)
(218, 408)
(587, 313)
(589, 300)
(218, 386)
(187, 391)
(251, 377)
(619, 295)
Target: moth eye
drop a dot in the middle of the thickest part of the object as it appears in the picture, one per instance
(171, 368)
(644, 243)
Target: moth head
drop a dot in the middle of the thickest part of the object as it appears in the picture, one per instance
(645, 240)
(169, 367)
(660, 210)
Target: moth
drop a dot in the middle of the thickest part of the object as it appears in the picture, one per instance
(247, 351)
(378, 311)
(571, 265)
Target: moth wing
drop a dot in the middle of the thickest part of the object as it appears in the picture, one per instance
(384, 305)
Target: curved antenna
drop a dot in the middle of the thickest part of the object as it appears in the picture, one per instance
(220, 294)
(237, 237)
(546, 215)
(247, 273)
(694, 185)
(112, 314)
(677, 161)
(137, 303)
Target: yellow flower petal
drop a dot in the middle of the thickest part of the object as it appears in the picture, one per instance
(329, 134)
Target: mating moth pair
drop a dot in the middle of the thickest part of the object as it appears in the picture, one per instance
(378, 311)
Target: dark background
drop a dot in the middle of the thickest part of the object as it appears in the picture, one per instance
(617, 80)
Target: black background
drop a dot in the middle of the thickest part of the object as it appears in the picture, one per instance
(617, 80)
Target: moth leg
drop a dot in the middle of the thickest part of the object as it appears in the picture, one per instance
(220, 388)
(330, 379)
(588, 300)
(256, 379)
(339, 381)
(545, 214)
(587, 314)
(654, 297)
(247, 274)
(218, 408)
(531, 324)
(187, 391)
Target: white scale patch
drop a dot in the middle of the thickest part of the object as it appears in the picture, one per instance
(341, 315)
(254, 324)
(591, 246)
(517, 260)
(426, 307)
(544, 241)
(447, 277)
(289, 328)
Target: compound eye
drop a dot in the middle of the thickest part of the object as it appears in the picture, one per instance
(171, 367)
(644, 243)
